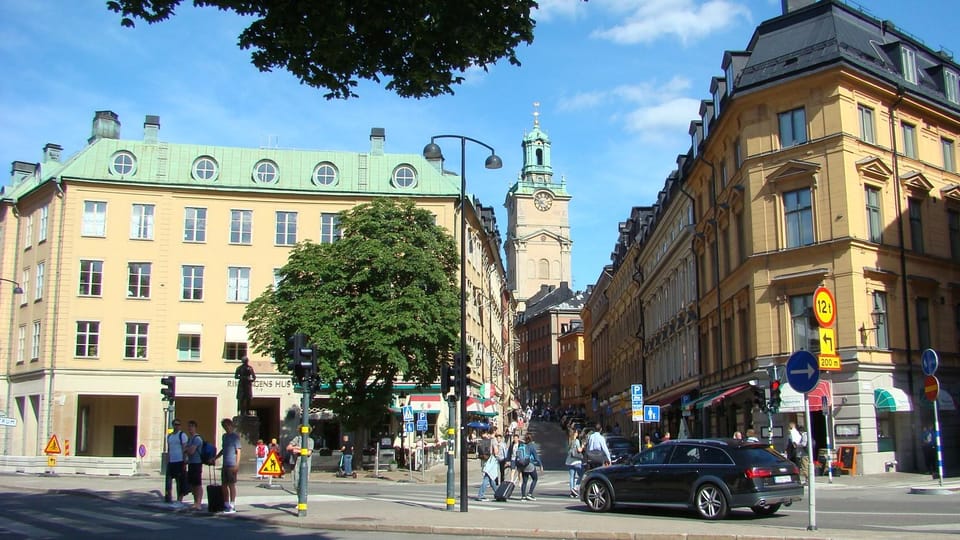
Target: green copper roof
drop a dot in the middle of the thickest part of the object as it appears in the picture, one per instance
(523, 187)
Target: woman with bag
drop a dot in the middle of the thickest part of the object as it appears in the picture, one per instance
(491, 471)
(527, 460)
(574, 462)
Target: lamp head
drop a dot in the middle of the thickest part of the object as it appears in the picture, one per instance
(493, 161)
(17, 290)
(432, 151)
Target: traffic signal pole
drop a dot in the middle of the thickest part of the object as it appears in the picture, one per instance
(304, 462)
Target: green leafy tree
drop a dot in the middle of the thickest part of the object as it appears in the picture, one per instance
(380, 303)
(422, 47)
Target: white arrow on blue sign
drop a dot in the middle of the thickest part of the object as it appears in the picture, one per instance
(929, 361)
(651, 413)
(803, 372)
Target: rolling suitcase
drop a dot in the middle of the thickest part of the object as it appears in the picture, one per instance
(215, 501)
(505, 489)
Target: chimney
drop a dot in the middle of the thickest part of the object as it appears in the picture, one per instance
(789, 6)
(51, 152)
(106, 125)
(20, 170)
(151, 129)
(377, 137)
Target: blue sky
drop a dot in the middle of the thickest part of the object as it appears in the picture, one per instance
(618, 82)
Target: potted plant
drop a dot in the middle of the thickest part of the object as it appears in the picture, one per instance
(393, 465)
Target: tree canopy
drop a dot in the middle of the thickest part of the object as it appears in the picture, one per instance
(422, 47)
(380, 302)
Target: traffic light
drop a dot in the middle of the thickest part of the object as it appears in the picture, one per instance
(169, 387)
(301, 360)
(760, 399)
(775, 395)
(448, 378)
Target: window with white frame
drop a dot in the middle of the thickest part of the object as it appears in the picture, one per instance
(329, 228)
(135, 341)
(21, 343)
(882, 340)
(35, 345)
(241, 226)
(793, 127)
(949, 161)
(88, 339)
(91, 278)
(909, 132)
(188, 347)
(866, 124)
(141, 222)
(94, 219)
(38, 285)
(191, 282)
(798, 215)
(874, 217)
(951, 86)
(44, 220)
(138, 280)
(908, 59)
(803, 334)
(195, 225)
(28, 231)
(24, 285)
(238, 284)
(286, 228)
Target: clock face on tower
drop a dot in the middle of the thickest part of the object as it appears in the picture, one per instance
(542, 200)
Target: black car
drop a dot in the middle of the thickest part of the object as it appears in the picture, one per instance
(711, 476)
(621, 448)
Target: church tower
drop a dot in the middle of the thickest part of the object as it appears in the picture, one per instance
(538, 221)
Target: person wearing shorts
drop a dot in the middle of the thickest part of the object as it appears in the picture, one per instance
(194, 464)
(230, 450)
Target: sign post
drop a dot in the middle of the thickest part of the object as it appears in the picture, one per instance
(636, 412)
(929, 361)
(803, 374)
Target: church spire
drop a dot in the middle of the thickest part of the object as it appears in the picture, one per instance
(536, 153)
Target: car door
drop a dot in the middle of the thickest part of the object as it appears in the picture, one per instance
(680, 473)
(644, 469)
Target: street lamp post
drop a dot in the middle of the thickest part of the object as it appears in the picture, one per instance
(16, 286)
(432, 151)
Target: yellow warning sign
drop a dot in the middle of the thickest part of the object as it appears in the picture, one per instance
(53, 446)
(51, 461)
(271, 466)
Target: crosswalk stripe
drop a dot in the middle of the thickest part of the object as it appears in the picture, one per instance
(124, 521)
(78, 525)
(27, 530)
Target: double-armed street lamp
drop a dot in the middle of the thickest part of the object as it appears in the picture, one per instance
(432, 152)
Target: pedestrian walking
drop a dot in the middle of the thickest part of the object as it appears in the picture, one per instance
(929, 447)
(574, 462)
(176, 467)
(527, 460)
(230, 451)
(194, 464)
(597, 453)
(261, 451)
(502, 454)
(491, 469)
(797, 446)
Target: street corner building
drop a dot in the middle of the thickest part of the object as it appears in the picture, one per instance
(133, 261)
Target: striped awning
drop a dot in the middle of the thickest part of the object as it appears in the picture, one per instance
(891, 399)
(792, 401)
(429, 403)
(715, 398)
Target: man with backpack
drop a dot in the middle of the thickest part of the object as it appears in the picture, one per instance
(194, 464)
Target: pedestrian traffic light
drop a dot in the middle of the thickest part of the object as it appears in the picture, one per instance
(774, 395)
(169, 387)
(760, 399)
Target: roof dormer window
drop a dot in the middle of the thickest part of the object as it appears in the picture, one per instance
(951, 86)
(908, 63)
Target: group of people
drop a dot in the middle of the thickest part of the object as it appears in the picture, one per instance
(500, 458)
(185, 464)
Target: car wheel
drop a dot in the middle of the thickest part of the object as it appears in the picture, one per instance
(765, 510)
(710, 502)
(598, 496)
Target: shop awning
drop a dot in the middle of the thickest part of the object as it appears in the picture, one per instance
(715, 398)
(190, 329)
(791, 401)
(697, 403)
(486, 407)
(666, 401)
(429, 403)
(236, 333)
(891, 399)
(514, 405)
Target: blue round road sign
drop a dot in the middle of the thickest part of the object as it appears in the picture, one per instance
(929, 361)
(803, 373)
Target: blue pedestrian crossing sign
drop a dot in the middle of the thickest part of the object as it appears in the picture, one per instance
(407, 414)
(651, 413)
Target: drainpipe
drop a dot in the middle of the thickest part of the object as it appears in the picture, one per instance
(696, 279)
(903, 265)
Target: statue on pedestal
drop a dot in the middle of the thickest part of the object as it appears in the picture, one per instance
(245, 376)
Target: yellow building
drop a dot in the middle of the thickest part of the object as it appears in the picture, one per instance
(826, 157)
(137, 259)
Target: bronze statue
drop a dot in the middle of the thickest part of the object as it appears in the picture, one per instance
(245, 375)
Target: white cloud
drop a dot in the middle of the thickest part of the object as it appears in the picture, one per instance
(671, 117)
(551, 9)
(648, 20)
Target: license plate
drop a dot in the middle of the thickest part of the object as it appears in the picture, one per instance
(781, 480)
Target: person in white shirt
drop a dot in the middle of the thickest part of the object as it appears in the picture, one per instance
(176, 465)
(597, 453)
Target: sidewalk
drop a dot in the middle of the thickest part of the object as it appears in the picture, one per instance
(328, 512)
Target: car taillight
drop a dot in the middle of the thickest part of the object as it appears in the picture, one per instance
(759, 472)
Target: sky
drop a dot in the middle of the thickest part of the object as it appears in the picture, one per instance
(617, 82)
